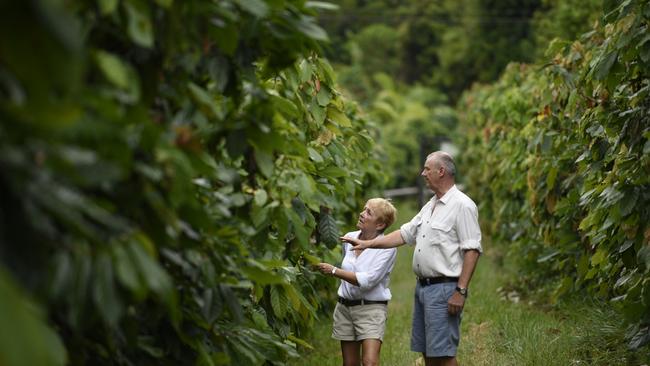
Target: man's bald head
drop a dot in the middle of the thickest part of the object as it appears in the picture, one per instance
(445, 160)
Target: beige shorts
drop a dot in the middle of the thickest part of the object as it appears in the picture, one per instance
(355, 323)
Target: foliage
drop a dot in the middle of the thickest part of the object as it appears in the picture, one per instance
(163, 166)
(485, 37)
(561, 163)
(380, 47)
(407, 116)
(566, 19)
(444, 44)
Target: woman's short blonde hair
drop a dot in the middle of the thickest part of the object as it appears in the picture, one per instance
(383, 210)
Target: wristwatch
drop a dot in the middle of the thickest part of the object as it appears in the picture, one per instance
(462, 291)
(333, 271)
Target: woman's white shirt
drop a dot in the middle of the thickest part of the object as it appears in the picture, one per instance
(372, 268)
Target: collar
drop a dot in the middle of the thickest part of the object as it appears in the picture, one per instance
(450, 193)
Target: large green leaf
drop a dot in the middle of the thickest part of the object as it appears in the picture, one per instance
(26, 339)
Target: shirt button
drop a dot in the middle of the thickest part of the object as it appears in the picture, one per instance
(423, 236)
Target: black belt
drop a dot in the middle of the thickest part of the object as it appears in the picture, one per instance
(347, 302)
(426, 281)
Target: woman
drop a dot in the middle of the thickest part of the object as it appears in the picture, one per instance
(360, 314)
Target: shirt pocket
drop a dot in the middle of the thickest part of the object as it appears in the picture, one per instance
(441, 232)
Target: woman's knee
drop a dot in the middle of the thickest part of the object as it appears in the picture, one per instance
(370, 361)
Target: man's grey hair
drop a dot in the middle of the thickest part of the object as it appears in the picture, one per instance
(445, 160)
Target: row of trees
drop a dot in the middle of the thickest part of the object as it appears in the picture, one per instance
(448, 45)
(560, 163)
(168, 172)
(407, 62)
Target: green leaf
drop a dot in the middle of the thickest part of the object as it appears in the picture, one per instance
(255, 7)
(278, 301)
(259, 215)
(601, 70)
(328, 230)
(321, 5)
(628, 202)
(127, 274)
(298, 227)
(308, 27)
(599, 257)
(265, 162)
(260, 274)
(113, 68)
(306, 71)
(139, 27)
(205, 100)
(62, 278)
(165, 3)
(548, 257)
(151, 273)
(105, 295)
(640, 339)
(319, 113)
(550, 178)
(643, 256)
(333, 172)
(27, 339)
(299, 341)
(339, 117)
(107, 7)
(314, 155)
(311, 259)
(260, 197)
(147, 344)
(287, 107)
(323, 97)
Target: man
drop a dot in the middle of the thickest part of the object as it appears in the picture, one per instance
(447, 241)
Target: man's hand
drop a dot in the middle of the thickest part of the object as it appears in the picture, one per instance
(357, 243)
(456, 303)
(325, 268)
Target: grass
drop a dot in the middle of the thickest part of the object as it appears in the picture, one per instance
(495, 330)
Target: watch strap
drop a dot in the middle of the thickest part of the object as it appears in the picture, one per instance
(462, 290)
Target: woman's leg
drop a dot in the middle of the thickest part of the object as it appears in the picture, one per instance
(370, 352)
(350, 351)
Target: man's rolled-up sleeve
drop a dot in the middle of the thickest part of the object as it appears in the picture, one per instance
(409, 230)
(469, 231)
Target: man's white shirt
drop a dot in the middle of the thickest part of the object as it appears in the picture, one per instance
(372, 268)
(442, 235)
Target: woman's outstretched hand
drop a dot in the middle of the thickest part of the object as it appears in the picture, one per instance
(325, 268)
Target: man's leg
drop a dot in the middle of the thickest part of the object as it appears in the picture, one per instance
(370, 352)
(442, 329)
(440, 361)
(350, 351)
(418, 331)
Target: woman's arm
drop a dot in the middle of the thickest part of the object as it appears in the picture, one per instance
(347, 276)
(376, 271)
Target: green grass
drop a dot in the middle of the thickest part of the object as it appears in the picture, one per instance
(495, 330)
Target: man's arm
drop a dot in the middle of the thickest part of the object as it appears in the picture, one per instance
(457, 301)
(391, 240)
